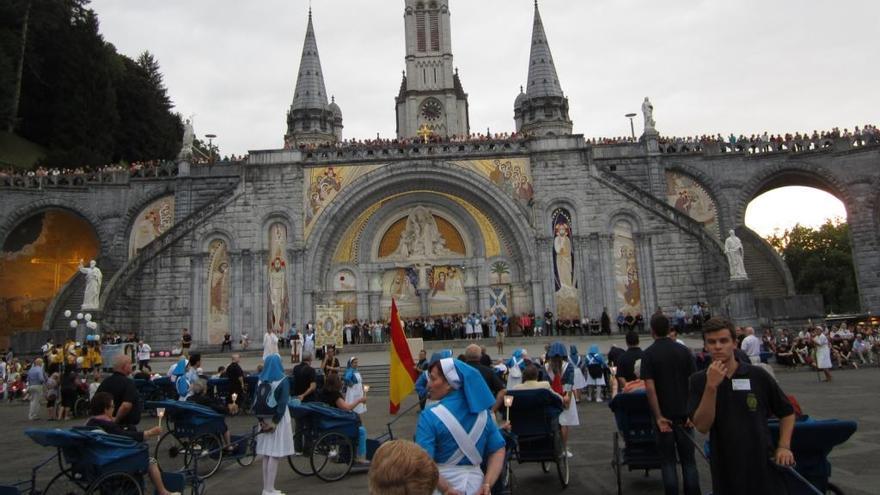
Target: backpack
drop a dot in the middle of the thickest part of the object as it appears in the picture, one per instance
(182, 386)
(263, 397)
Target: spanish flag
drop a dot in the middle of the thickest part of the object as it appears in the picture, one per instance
(402, 375)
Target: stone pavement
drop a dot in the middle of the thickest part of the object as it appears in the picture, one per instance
(852, 395)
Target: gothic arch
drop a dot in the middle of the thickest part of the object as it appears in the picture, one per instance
(788, 174)
(270, 219)
(544, 222)
(216, 233)
(105, 236)
(626, 214)
(403, 177)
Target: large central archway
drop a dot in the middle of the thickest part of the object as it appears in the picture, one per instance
(494, 229)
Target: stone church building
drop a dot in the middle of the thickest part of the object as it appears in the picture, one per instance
(444, 224)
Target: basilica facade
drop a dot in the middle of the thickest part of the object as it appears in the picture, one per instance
(442, 223)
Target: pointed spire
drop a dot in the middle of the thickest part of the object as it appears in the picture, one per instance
(310, 91)
(542, 71)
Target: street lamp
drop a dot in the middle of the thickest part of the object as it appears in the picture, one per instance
(211, 148)
(632, 128)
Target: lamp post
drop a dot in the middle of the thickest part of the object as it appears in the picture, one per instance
(632, 128)
(211, 147)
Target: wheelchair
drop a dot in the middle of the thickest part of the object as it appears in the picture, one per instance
(537, 438)
(93, 462)
(635, 430)
(194, 440)
(325, 440)
(811, 442)
(150, 392)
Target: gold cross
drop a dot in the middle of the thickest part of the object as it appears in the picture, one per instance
(56, 263)
(425, 132)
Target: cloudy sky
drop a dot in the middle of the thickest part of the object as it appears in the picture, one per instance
(709, 67)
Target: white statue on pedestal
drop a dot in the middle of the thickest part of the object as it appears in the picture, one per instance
(186, 147)
(648, 113)
(733, 248)
(91, 297)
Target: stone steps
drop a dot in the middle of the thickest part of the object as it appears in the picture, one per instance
(765, 275)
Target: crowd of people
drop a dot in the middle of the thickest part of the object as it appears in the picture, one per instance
(380, 143)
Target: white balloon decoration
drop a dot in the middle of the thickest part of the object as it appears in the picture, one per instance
(88, 317)
(67, 313)
(79, 316)
(93, 325)
(73, 324)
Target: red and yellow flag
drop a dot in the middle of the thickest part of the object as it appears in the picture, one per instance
(402, 375)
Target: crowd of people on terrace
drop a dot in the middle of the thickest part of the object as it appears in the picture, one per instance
(134, 168)
(379, 143)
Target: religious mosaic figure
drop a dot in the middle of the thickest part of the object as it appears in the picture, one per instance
(733, 248)
(278, 293)
(152, 222)
(94, 277)
(626, 270)
(567, 296)
(218, 292)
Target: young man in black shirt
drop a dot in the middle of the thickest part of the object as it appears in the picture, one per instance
(732, 400)
(666, 367)
(304, 380)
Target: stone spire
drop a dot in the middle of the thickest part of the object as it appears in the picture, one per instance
(542, 72)
(310, 118)
(543, 108)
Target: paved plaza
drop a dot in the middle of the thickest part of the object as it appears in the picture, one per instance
(852, 395)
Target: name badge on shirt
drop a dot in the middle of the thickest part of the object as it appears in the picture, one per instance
(742, 384)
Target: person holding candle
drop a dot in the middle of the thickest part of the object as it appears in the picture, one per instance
(101, 409)
(332, 396)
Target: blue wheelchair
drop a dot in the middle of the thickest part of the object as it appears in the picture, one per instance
(536, 435)
(151, 391)
(635, 430)
(93, 462)
(194, 440)
(811, 442)
(325, 440)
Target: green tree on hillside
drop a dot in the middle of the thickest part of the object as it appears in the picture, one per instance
(820, 261)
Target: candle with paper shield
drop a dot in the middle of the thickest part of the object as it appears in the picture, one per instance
(366, 388)
(508, 401)
(160, 411)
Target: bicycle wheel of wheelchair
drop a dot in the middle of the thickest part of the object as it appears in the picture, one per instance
(615, 461)
(332, 456)
(207, 449)
(171, 453)
(250, 452)
(562, 469)
(116, 484)
(81, 408)
(63, 484)
(301, 462)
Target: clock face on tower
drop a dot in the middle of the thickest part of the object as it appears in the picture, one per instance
(431, 110)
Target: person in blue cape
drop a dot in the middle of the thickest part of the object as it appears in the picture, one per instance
(561, 374)
(422, 381)
(354, 385)
(515, 366)
(458, 432)
(576, 360)
(276, 440)
(181, 383)
(596, 366)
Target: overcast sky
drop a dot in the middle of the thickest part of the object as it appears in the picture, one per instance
(708, 66)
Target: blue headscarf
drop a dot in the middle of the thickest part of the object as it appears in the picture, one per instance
(180, 369)
(441, 354)
(350, 377)
(557, 349)
(272, 369)
(467, 380)
(594, 356)
(517, 359)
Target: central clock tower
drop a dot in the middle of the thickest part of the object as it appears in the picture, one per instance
(430, 94)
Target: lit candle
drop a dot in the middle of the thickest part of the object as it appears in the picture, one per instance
(508, 401)
(234, 397)
(366, 388)
(160, 411)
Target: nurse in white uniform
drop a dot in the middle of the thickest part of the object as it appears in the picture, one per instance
(354, 385)
(459, 433)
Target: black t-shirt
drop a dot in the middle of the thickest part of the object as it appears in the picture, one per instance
(329, 397)
(669, 364)
(614, 355)
(303, 377)
(627, 361)
(123, 390)
(740, 437)
(186, 339)
(235, 375)
(495, 384)
(114, 429)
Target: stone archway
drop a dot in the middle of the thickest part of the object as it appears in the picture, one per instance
(508, 218)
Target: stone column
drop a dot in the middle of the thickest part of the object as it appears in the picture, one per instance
(645, 259)
(472, 298)
(606, 250)
(236, 298)
(375, 305)
(581, 242)
(865, 240)
(295, 277)
(199, 312)
(423, 301)
(595, 281)
(545, 271)
(741, 303)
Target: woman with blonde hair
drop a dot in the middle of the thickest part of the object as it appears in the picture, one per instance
(401, 467)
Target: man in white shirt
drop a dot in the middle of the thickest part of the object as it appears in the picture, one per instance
(143, 356)
(751, 345)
